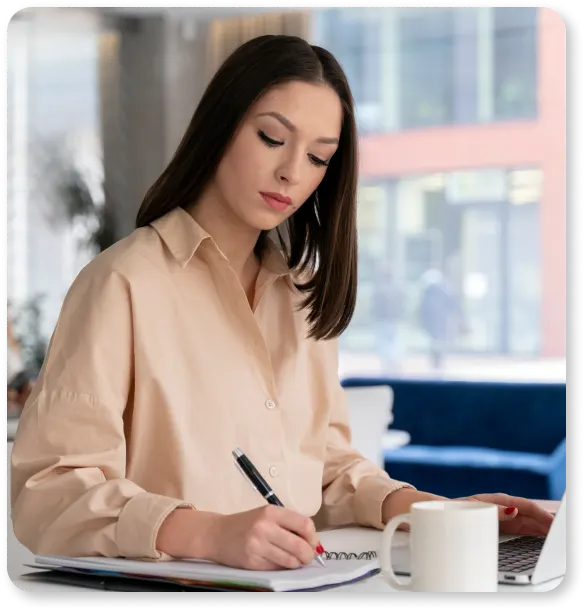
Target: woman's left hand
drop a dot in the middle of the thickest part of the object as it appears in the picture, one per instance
(518, 516)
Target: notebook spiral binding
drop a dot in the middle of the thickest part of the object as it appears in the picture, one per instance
(350, 555)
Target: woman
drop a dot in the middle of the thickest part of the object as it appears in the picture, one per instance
(198, 334)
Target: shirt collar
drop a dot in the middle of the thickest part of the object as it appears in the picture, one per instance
(183, 235)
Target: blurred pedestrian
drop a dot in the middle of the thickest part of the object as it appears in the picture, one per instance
(440, 314)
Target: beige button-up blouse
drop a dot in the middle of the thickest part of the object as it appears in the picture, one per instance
(158, 368)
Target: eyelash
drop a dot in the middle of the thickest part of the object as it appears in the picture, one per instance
(275, 143)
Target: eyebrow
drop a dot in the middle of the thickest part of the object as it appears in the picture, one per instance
(292, 128)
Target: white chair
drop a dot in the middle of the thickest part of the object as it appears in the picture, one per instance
(370, 414)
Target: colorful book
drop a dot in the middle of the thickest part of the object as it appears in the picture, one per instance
(194, 574)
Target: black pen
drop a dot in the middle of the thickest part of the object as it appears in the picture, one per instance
(261, 485)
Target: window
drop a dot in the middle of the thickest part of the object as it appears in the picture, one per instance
(53, 101)
(515, 62)
(353, 36)
(476, 234)
(524, 261)
(488, 229)
(426, 67)
(411, 68)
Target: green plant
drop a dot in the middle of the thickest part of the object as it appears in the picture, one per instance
(78, 203)
(74, 196)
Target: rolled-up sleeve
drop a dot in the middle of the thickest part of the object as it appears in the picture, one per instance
(354, 488)
(69, 492)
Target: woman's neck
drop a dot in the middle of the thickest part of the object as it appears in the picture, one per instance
(235, 240)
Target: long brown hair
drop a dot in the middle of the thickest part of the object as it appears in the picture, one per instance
(322, 237)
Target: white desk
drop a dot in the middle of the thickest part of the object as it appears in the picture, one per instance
(347, 539)
(361, 539)
(18, 555)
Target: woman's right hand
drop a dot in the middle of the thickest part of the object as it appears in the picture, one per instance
(263, 539)
(266, 538)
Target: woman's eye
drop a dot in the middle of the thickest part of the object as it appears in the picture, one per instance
(274, 143)
(268, 141)
(318, 162)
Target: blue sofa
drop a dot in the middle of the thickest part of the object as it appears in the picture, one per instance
(471, 437)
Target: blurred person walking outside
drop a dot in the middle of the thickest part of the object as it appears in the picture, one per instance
(440, 315)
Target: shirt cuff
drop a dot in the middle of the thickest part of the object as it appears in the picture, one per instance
(139, 523)
(370, 496)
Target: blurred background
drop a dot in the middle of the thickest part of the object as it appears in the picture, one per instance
(461, 212)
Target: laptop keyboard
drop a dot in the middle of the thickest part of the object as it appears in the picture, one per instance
(518, 555)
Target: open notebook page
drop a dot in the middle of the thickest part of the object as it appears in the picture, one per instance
(357, 540)
(350, 540)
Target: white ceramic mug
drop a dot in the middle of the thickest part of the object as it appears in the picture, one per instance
(453, 547)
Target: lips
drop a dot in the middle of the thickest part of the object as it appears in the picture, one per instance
(276, 201)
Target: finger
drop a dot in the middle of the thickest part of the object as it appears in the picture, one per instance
(506, 514)
(529, 526)
(533, 510)
(292, 544)
(297, 523)
(281, 558)
(263, 564)
(524, 507)
(513, 522)
(524, 526)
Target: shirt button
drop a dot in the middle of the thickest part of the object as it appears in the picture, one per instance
(273, 471)
(270, 404)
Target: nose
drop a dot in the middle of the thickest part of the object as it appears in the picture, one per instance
(289, 171)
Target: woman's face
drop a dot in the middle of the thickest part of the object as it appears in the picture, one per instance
(280, 153)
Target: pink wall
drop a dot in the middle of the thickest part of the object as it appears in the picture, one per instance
(552, 96)
(539, 143)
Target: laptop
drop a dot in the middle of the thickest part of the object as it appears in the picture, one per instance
(522, 560)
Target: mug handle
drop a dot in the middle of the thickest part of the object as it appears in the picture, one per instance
(386, 552)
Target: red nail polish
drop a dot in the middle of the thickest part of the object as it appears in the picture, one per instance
(320, 549)
(509, 510)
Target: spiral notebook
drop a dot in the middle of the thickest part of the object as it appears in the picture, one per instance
(365, 555)
(341, 568)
